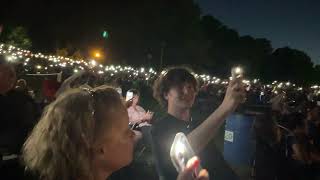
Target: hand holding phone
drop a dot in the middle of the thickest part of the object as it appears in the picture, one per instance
(129, 96)
(181, 152)
(236, 72)
(188, 172)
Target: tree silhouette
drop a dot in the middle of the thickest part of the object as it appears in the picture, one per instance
(17, 36)
(139, 29)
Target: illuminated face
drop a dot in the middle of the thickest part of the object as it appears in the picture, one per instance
(181, 96)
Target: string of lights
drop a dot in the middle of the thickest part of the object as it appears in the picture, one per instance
(40, 63)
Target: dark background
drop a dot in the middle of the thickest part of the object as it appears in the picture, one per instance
(179, 31)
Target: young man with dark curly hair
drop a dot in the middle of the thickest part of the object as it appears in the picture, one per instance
(176, 90)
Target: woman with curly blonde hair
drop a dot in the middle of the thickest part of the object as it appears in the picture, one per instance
(83, 134)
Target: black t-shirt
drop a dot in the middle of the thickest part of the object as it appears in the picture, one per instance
(18, 115)
(163, 132)
(314, 134)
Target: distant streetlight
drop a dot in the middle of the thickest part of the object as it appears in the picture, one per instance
(163, 46)
(97, 55)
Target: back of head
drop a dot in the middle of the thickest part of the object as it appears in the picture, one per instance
(169, 78)
(77, 80)
(60, 146)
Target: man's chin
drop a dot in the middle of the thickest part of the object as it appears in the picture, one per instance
(187, 106)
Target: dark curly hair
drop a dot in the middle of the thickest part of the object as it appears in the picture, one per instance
(169, 78)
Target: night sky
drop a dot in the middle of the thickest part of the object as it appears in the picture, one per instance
(294, 23)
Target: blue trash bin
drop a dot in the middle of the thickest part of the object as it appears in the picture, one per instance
(239, 142)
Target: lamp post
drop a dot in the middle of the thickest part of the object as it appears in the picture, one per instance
(163, 46)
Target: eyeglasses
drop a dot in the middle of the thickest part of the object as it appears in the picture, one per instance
(92, 104)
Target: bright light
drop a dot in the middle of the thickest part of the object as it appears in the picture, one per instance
(10, 58)
(93, 62)
(238, 70)
(38, 67)
(75, 70)
(246, 82)
(180, 148)
(97, 55)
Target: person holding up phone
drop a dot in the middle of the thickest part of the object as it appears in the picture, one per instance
(139, 119)
(176, 89)
(137, 115)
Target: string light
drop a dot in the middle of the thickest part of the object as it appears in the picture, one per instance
(36, 60)
(93, 62)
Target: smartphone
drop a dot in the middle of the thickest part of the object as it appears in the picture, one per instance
(129, 96)
(236, 72)
(180, 153)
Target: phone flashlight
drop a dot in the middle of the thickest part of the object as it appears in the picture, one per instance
(181, 152)
(236, 72)
(129, 96)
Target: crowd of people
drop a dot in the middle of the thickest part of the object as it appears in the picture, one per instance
(94, 128)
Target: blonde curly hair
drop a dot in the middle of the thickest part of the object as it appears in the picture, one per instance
(61, 144)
